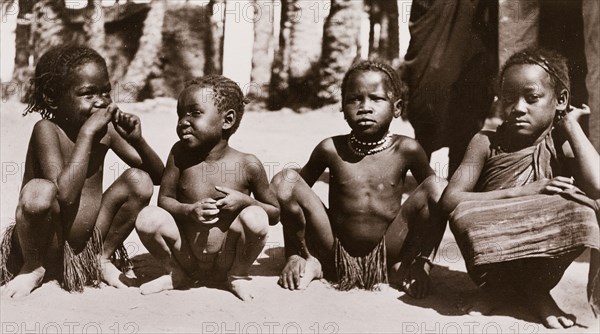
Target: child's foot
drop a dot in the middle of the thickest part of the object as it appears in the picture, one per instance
(544, 307)
(240, 286)
(483, 302)
(164, 282)
(299, 272)
(177, 279)
(111, 275)
(25, 282)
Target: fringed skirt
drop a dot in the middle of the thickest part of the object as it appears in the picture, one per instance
(363, 272)
(78, 270)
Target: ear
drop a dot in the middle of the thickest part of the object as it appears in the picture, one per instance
(398, 108)
(562, 100)
(229, 118)
(50, 101)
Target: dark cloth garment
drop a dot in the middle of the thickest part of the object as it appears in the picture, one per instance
(449, 67)
(528, 227)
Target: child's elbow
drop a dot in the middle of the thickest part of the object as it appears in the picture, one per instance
(448, 202)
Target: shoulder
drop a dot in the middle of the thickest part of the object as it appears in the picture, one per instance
(406, 144)
(484, 139)
(44, 125)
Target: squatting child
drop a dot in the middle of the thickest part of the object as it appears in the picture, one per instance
(207, 227)
(66, 227)
(366, 230)
(524, 198)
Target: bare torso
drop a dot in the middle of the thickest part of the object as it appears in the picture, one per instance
(365, 194)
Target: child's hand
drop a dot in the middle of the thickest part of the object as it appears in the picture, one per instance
(96, 124)
(549, 186)
(204, 211)
(574, 114)
(127, 125)
(233, 202)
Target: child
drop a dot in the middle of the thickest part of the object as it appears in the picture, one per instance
(61, 206)
(514, 235)
(366, 231)
(206, 225)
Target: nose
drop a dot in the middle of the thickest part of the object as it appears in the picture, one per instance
(183, 123)
(102, 101)
(520, 107)
(365, 107)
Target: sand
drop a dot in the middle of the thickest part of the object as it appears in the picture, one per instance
(278, 139)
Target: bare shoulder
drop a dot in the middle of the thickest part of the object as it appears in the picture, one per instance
(405, 144)
(45, 126)
(482, 140)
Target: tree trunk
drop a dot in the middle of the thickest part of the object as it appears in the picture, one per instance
(48, 28)
(386, 44)
(93, 28)
(22, 72)
(340, 40)
(145, 61)
(215, 34)
(261, 50)
(278, 87)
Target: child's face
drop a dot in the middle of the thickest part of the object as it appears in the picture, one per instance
(200, 121)
(528, 98)
(87, 89)
(369, 105)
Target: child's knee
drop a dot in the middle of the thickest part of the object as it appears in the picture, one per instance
(150, 220)
(139, 183)
(255, 220)
(283, 184)
(37, 197)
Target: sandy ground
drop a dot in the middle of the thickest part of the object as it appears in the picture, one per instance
(278, 139)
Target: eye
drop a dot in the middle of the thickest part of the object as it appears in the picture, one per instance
(196, 113)
(532, 98)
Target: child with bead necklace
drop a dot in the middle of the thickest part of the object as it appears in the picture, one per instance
(366, 236)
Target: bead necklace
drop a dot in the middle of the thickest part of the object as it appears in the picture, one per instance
(361, 148)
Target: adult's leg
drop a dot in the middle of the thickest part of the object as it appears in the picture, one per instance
(303, 216)
(34, 229)
(120, 205)
(159, 233)
(414, 235)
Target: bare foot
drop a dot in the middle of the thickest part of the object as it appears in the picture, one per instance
(299, 272)
(545, 308)
(177, 279)
(483, 302)
(241, 287)
(25, 282)
(164, 282)
(111, 275)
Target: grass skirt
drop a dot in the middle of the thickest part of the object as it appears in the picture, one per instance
(78, 270)
(363, 272)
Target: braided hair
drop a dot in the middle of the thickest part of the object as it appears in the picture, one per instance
(399, 89)
(551, 61)
(52, 75)
(227, 95)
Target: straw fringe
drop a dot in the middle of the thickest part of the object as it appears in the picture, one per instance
(363, 272)
(83, 269)
(10, 259)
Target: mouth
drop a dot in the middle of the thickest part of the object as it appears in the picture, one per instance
(365, 122)
(186, 136)
(520, 122)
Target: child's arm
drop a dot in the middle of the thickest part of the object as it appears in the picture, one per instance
(204, 211)
(417, 159)
(69, 176)
(585, 161)
(235, 201)
(461, 186)
(129, 144)
(317, 162)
